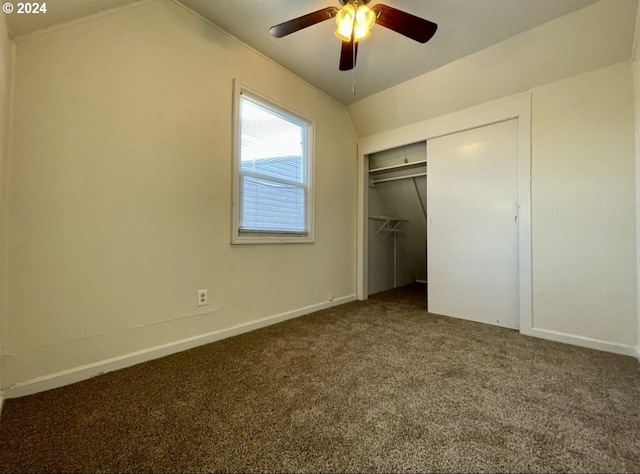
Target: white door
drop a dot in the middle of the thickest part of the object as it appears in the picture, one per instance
(472, 206)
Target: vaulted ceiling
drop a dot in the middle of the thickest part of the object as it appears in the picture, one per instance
(384, 60)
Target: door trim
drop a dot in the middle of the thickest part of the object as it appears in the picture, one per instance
(486, 114)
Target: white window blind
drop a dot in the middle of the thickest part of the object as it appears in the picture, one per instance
(273, 170)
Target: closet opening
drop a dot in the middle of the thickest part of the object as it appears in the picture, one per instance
(397, 228)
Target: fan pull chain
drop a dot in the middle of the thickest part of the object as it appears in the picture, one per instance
(353, 70)
(353, 85)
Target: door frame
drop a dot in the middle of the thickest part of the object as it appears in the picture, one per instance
(516, 107)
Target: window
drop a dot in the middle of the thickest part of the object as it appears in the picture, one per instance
(272, 172)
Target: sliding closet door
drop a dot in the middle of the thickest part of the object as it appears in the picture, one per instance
(472, 194)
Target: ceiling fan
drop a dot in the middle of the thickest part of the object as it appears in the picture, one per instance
(355, 20)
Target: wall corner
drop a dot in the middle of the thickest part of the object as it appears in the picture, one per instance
(636, 82)
(7, 53)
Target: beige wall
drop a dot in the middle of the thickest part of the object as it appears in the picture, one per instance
(583, 212)
(120, 192)
(5, 54)
(594, 37)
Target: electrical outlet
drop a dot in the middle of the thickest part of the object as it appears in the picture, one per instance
(203, 298)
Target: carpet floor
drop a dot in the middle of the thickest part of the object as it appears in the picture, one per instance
(373, 386)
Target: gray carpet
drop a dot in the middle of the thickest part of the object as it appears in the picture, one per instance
(368, 386)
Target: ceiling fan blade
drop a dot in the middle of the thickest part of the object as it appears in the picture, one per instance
(406, 24)
(348, 55)
(297, 24)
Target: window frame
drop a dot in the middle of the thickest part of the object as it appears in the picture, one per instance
(266, 237)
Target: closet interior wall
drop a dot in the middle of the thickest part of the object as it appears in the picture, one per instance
(397, 190)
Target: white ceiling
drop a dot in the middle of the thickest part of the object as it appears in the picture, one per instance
(384, 60)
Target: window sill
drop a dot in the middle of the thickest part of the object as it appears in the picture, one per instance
(270, 239)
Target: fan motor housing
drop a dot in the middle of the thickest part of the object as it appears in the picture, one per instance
(363, 2)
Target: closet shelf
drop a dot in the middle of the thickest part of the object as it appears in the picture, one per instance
(415, 164)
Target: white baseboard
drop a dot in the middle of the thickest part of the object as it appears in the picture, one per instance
(638, 351)
(582, 341)
(77, 374)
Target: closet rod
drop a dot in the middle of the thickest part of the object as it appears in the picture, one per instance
(383, 180)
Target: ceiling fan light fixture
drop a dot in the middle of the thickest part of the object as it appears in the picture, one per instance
(360, 32)
(356, 20)
(345, 20)
(365, 18)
